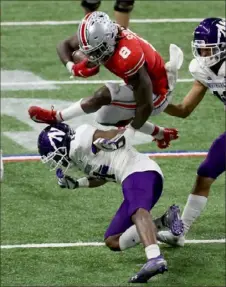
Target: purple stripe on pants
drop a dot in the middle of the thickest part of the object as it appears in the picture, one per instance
(140, 190)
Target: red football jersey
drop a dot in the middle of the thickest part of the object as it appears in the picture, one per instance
(131, 53)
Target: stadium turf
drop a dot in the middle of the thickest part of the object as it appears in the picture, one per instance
(35, 210)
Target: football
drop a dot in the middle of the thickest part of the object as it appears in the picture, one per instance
(78, 56)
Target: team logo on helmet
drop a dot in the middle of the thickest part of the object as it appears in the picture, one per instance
(209, 44)
(54, 145)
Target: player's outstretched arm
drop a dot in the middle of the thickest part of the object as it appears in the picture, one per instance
(189, 103)
(65, 181)
(142, 88)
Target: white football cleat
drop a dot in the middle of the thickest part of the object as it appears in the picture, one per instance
(169, 238)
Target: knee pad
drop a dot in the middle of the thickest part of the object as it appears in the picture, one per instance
(124, 6)
(91, 5)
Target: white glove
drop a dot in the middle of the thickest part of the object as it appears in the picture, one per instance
(108, 145)
(174, 64)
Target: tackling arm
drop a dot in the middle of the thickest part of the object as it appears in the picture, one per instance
(189, 103)
(142, 89)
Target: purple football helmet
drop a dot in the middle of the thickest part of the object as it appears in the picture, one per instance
(210, 36)
(54, 146)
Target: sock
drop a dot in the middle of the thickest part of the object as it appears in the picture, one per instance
(129, 238)
(193, 208)
(152, 251)
(151, 129)
(75, 110)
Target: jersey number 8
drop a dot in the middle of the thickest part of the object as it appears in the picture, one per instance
(124, 52)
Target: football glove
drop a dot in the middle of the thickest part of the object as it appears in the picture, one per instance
(65, 181)
(81, 69)
(165, 136)
(108, 145)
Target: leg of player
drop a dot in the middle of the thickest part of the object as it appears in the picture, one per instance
(90, 5)
(141, 192)
(208, 171)
(122, 11)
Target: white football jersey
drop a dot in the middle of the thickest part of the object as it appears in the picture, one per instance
(215, 83)
(112, 166)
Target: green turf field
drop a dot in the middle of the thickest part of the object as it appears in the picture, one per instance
(35, 210)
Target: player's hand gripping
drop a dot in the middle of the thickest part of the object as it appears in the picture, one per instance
(165, 136)
(108, 145)
(40, 115)
(65, 181)
(81, 69)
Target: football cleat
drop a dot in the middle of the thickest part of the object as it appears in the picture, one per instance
(173, 221)
(168, 238)
(40, 115)
(153, 267)
(168, 136)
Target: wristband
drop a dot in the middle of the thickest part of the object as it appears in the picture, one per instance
(83, 182)
(69, 66)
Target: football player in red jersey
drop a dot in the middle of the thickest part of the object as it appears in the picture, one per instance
(148, 83)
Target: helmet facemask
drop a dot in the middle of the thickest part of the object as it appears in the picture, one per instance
(98, 54)
(57, 159)
(216, 52)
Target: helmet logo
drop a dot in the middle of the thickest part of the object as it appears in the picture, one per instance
(55, 134)
(221, 29)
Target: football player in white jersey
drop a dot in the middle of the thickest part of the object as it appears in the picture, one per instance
(141, 179)
(208, 69)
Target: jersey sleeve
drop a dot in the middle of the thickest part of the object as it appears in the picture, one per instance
(133, 58)
(84, 137)
(197, 72)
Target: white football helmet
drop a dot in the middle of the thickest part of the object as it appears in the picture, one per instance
(97, 36)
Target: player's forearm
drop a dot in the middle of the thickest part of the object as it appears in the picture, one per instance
(142, 91)
(177, 111)
(64, 51)
(142, 114)
(143, 96)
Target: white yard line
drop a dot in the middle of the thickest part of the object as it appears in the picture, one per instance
(138, 21)
(22, 158)
(72, 82)
(93, 244)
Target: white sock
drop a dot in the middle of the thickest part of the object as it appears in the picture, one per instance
(75, 110)
(151, 129)
(193, 208)
(129, 238)
(152, 251)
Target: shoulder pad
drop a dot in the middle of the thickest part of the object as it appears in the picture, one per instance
(222, 70)
(194, 67)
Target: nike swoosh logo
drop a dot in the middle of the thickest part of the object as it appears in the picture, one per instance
(36, 120)
(80, 73)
